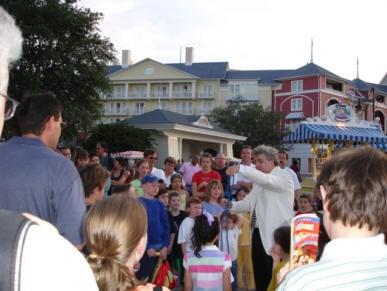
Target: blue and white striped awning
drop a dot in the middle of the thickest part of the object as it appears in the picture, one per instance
(306, 132)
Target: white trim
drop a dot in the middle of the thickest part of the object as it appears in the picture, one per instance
(334, 92)
(191, 130)
(302, 92)
(307, 97)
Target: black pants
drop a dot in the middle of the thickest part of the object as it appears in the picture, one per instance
(262, 262)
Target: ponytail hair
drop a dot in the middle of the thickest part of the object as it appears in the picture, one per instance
(205, 230)
(114, 227)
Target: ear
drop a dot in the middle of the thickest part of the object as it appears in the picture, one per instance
(49, 123)
(140, 249)
(323, 196)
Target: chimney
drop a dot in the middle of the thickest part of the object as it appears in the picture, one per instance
(126, 58)
(189, 56)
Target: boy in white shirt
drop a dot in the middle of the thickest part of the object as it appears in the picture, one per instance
(194, 208)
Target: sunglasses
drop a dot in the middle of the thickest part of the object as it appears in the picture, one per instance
(153, 158)
(10, 107)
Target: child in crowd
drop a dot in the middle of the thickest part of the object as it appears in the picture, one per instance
(142, 169)
(207, 267)
(158, 228)
(305, 204)
(126, 189)
(178, 215)
(163, 197)
(228, 242)
(178, 186)
(94, 178)
(245, 276)
(280, 253)
(213, 197)
(194, 208)
(116, 230)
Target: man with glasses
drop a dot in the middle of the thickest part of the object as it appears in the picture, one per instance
(36, 179)
(151, 156)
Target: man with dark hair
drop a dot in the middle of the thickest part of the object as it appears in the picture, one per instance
(36, 179)
(283, 163)
(101, 150)
(65, 151)
(353, 185)
(239, 181)
(151, 156)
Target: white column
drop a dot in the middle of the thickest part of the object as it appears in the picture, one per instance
(126, 90)
(170, 90)
(148, 90)
(193, 89)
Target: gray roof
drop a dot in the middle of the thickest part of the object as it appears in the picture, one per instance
(362, 85)
(164, 117)
(311, 69)
(113, 69)
(263, 76)
(214, 70)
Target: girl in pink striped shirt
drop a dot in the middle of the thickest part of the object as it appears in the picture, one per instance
(207, 267)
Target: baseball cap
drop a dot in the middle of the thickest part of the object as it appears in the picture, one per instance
(149, 179)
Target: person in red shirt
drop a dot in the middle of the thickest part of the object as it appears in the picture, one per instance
(201, 178)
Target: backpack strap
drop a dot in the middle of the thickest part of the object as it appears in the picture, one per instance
(13, 230)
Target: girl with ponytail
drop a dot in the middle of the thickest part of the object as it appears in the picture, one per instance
(207, 267)
(116, 236)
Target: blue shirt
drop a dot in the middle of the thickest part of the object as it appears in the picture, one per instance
(158, 224)
(213, 209)
(36, 179)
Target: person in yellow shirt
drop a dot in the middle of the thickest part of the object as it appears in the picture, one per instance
(245, 266)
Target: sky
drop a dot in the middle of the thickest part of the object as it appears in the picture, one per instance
(252, 34)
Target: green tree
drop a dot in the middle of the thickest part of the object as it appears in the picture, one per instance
(119, 137)
(251, 120)
(63, 53)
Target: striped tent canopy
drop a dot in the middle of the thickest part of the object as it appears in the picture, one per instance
(306, 132)
(129, 155)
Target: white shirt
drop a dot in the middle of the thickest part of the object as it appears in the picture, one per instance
(158, 173)
(185, 231)
(297, 185)
(346, 264)
(272, 197)
(229, 241)
(50, 262)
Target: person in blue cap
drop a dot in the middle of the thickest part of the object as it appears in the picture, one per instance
(158, 228)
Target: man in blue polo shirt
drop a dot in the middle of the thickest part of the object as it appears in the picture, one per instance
(36, 179)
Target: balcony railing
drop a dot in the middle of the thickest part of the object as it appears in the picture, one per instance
(156, 94)
(137, 95)
(182, 94)
(123, 111)
(206, 94)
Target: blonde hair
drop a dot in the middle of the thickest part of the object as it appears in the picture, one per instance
(114, 227)
(211, 184)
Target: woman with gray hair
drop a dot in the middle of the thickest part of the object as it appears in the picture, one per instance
(270, 204)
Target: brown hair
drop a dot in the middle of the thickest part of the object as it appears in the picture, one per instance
(306, 196)
(229, 215)
(93, 176)
(205, 155)
(173, 194)
(355, 181)
(114, 227)
(138, 164)
(193, 200)
(211, 184)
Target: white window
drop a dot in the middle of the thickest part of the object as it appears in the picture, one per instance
(184, 107)
(296, 104)
(205, 107)
(206, 91)
(235, 89)
(139, 108)
(118, 91)
(118, 107)
(162, 91)
(297, 86)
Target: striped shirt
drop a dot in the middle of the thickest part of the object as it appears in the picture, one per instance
(346, 264)
(207, 271)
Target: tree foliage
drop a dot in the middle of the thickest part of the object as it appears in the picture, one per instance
(251, 120)
(63, 53)
(119, 137)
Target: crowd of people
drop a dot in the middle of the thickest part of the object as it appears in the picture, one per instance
(73, 220)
